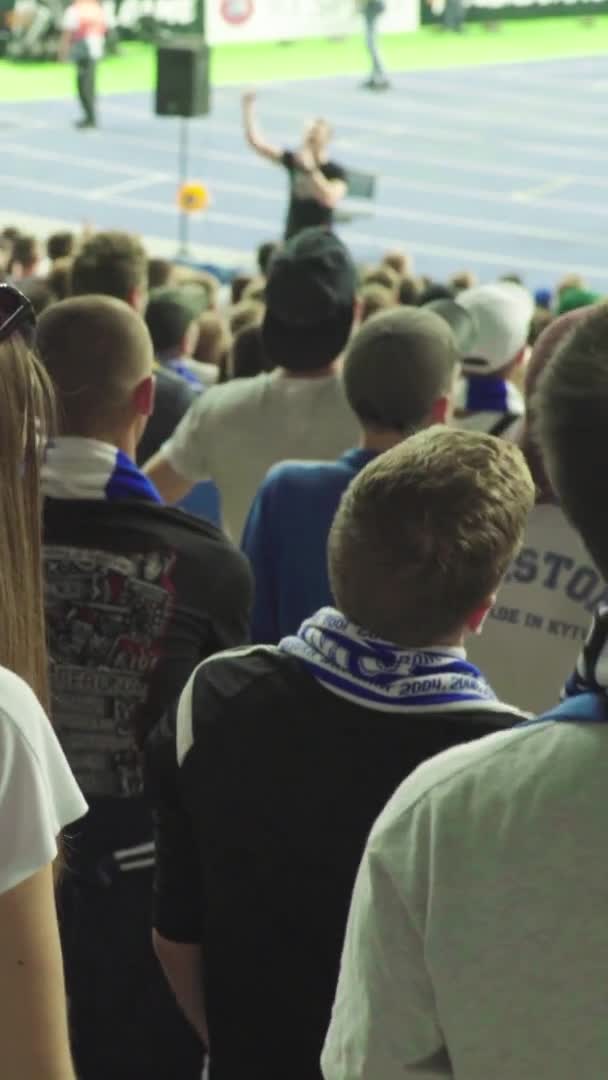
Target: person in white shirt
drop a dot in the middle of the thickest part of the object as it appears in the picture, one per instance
(537, 627)
(85, 27)
(477, 942)
(38, 794)
(235, 432)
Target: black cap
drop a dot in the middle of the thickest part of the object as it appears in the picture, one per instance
(311, 279)
(312, 283)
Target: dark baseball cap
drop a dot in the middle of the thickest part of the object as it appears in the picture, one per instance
(399, 363)
(310, 278)
(310, 296)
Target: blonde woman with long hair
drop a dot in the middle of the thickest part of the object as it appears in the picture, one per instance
(38, 794)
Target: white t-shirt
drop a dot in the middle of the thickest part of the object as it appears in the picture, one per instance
(38, 794)
(234, 433)
(87, 22)
(477, 942)
(531, 639)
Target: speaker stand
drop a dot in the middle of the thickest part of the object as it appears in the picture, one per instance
(184, 165)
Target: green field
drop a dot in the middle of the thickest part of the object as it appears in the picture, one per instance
(133, 70)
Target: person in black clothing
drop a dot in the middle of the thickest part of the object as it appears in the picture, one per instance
(116, 264)
(316, 184)
(136, 596)
(286, 755)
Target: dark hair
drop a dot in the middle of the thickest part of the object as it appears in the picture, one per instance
(513, 279)
(265, 254)
(110, 264)
(307, 348)
(60, 278)
(160, 272)
(435, 291)
(25, 251)
(571, 415)
(60, 245)
(238, 285)
(409, 291)
(248, 357)
(39, 292)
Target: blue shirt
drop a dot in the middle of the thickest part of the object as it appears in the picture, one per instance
(286, 537)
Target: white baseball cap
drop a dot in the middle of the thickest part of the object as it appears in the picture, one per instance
(501, 314)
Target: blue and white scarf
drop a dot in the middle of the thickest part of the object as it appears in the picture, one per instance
(76, 468)
(584, 698)
(487, 393)
(368, 671)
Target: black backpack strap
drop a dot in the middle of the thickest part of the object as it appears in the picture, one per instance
(501, 425)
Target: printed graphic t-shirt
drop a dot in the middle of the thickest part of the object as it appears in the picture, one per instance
(305, 211)
(136, 595)
(38, 793)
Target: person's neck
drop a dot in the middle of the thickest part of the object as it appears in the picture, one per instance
(379, 441)
(316, 373)
(125, 441)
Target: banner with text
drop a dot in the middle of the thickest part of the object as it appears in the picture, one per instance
(285, 20)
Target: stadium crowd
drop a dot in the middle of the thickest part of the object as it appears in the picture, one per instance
(308, 570)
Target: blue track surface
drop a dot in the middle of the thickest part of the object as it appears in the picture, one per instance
(499, 169)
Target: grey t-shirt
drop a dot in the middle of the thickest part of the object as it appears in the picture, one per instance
(234, 433)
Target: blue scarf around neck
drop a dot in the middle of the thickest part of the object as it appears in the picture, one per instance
(487, 393)
(356, 665)
(76, 468)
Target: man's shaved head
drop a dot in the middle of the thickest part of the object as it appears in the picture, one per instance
(97, 350)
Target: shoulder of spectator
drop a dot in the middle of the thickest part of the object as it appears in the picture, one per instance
(221, 684)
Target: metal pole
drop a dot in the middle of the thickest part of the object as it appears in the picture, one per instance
(184, 220)
(199, 17)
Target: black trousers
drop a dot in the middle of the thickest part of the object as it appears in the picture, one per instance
(86, 80)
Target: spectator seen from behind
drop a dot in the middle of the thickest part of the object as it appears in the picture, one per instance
(136, 596)
(234, 433)
(481, 892)
(285, 755)
(399, 374)
(116, 264)
(26, 258)
(61, 245)
(172, 318)
(500, 317)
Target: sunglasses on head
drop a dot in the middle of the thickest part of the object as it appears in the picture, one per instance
(16, 313)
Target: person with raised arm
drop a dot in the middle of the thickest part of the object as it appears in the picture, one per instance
(317, 185)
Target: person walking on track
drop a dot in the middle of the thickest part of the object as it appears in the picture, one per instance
(85, 28)
(371, 11)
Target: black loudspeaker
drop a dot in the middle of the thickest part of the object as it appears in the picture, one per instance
(183, 79)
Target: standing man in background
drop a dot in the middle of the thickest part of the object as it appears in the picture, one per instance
(371, 11)
(84, 32)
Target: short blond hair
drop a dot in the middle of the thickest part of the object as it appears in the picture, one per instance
(425, 533)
